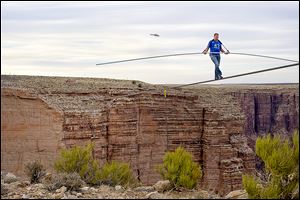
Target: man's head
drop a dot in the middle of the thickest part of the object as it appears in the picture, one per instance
(216, 36)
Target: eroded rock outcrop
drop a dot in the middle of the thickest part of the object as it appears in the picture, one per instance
(127, 121)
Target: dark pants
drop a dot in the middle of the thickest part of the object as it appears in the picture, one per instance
(216, 58)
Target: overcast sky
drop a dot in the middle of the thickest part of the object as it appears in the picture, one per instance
(69, 38)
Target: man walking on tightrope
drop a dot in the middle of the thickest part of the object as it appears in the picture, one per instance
(215, 46)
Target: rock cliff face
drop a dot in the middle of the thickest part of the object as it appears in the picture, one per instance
(135, 123)
(30, 130)
(271, 110)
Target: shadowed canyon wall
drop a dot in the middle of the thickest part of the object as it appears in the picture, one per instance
(269, 111)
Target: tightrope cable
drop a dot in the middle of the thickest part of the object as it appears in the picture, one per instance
(192, 53)
(238, 75)
(212, 80)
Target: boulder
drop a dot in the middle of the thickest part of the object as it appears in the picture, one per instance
(144, 189)
(237, 194)
(78, 194)
(118, 187)
(156, 195)
(58, 196)
(70, 196)
(24, 196)
(61, 190)
(84, 189)
(162, 186)
(10, 178)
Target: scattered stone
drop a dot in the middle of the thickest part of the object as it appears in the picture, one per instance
(162, 186)
(70, 197)
(93, 189)
(24, 196)
(144, 189)
(9, 178)
(84, 189)
(23, 184)
(118, 187)
(202, 194)
(39, 186)
(17, 196)
(156, 195)
(25, 190)
(58, 195)
(149, 195)
(104, 188)
(78, 194)
(237, 194)
(63, 189)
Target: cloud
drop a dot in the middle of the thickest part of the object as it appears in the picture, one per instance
(69, 38)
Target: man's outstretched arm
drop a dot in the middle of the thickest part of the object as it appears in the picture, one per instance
(223, 51)
(205, 50)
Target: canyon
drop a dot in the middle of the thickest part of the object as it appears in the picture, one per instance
(134, 122)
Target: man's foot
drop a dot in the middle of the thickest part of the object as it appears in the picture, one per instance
(221, 77)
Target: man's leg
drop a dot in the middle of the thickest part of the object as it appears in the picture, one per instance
(218, 68)
(215, 61)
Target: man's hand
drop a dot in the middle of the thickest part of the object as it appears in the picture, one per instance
(227, 52)
(204, 52)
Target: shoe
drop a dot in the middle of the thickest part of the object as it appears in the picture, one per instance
(221, 77)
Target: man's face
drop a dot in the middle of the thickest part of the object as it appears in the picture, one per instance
(216, 36)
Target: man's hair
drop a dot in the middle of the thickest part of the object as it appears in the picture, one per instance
(216, 34)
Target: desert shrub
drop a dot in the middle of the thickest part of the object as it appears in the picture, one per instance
(253, 189)
(35, 171)
(178, 167)
(79, 160)
(281, 159)
(117, 173)
(71, 181)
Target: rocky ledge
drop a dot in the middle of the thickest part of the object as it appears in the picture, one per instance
(13, 187)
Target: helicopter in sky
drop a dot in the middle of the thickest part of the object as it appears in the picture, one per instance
(154, 34)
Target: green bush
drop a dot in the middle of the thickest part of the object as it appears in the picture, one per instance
(281, 158)
(117, 173)
(71, 181)
(253, 188)
(178, 167)
(35, 171)
(79, 160)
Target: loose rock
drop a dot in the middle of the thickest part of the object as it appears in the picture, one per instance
(144, 189)
(118, 187)
(63, 189)
(24, 196)
(162, 186)
(9, 178)
(237, 194)
(84, 189)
